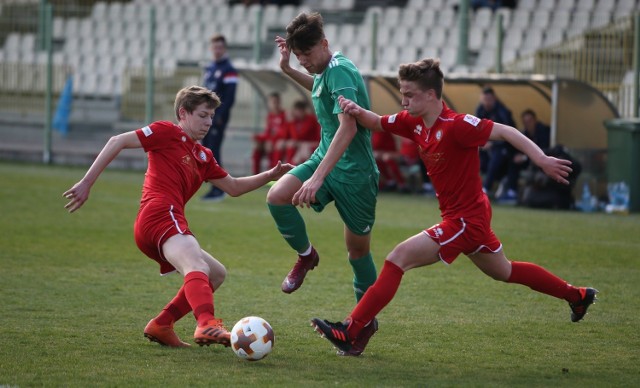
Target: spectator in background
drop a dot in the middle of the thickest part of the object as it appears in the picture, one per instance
(276, 118)
(494, 155)
(220, 77)
(303, 133)
(385, 150)
(411, 160)
(539, 134)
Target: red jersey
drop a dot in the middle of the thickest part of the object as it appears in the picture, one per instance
(177, 164)
(449, 150)
(273, 124)
(306, 129)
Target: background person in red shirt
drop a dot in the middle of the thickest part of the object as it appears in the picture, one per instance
(449, 143)
(276, 118)
(178, 165)
(385, 150)
(303, 133)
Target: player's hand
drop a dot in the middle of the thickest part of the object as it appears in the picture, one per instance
(349, 107)
(285, 53)
(307, 193)
(77, 196)
(556, 169)
(279, 170)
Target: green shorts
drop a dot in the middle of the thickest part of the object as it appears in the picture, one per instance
(356, 202)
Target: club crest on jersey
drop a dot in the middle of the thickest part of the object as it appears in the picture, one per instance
(418, 129)
(471, 119)
(392, 118)
(439, 135)
(203, 156)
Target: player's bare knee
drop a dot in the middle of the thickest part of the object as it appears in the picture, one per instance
(217, 276)
(276, 196)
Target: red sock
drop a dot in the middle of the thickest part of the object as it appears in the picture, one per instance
(176, 309)
(257, 158)
(541, 280)
(376, 297)
(291, 152)
(395, 171)
(200, 296)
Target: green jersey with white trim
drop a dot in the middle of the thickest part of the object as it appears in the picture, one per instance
(342, 78)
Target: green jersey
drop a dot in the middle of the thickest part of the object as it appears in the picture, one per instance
(342, 78)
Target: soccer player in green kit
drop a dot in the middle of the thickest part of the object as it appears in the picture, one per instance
(342, 169)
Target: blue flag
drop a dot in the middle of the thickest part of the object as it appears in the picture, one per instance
(63, 111)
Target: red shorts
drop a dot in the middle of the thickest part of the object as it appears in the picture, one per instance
(156, 222)
(464, 235)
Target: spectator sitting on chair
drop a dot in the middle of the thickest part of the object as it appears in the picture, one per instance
(386, 154)
(495, 153)
(276, 118)
(221, 78)
(303, 133)
(539, 134)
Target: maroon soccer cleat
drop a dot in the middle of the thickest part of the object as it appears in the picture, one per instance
(296, 276)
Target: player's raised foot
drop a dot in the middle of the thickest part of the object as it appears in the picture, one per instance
(213, 332)
(164, 335)
(579, 309)
(336, 333)
(363, 339)
(295, 277)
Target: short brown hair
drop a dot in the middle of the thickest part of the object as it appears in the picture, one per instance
(218, 38)
(305, 31)
(426, 73)
(191, 97)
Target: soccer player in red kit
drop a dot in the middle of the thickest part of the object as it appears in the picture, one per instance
(178, 165)
(448, 144)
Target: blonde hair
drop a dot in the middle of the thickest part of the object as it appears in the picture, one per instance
(191, 97)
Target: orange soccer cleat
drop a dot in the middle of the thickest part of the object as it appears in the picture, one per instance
(213, 332)
(164, 335)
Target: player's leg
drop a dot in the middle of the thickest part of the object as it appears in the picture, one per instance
(185, 254)
(291, 225)
(364, 269)
(417, 251)
(537, 278)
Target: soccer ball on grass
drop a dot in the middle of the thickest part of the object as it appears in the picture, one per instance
(252, 338)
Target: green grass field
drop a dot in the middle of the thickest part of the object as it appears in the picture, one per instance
(76, 294)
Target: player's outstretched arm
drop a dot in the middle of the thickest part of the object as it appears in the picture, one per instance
(79, 193)
(557, 169)
(345, 133)
(305, 80)
(238, 186)
(366, 118)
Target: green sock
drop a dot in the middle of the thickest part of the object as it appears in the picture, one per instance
(364, 271)
(291, 226)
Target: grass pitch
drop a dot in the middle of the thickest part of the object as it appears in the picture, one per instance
(76, 294)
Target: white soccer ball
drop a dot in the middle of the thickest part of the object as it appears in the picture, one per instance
(252, 338)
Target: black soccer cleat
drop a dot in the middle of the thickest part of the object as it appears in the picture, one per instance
(362, 340)
(579, 309)
(336, 333)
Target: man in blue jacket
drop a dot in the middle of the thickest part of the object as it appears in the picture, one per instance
(221, 77)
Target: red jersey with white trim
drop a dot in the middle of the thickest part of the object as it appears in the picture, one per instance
(449, 150)
(177, 164)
